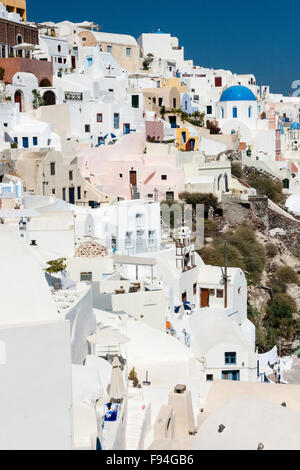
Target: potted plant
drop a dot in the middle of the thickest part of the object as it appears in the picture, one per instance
(132, 377)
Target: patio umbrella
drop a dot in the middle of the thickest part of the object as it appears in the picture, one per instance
(185, 307)
(108, 337)
(110, 136)
(116, 390)
(25, 46)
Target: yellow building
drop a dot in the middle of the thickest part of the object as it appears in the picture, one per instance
(184, 141)
(16, 6)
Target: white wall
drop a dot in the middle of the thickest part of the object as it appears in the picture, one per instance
(35, 392)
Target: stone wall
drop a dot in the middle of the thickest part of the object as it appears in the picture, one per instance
(253, 210)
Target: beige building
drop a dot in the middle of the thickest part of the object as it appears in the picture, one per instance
(16, 6)
(122, 47)
(50, 172)
(154, 98)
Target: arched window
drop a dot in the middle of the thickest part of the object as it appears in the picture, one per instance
(222, 113)
(19, 39)
(250, 112)
(234, 112)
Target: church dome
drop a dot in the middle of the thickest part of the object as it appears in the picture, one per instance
(237, 93)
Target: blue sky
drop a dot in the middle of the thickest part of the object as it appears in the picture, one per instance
(258, 38)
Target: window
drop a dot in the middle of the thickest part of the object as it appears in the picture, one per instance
(116, 120)
(174, 103)
(211, 291)
(88, 277)
(52, 168)
(87, 128)
(128, 51)
(99, 117)
(250, 112)
(151, 236)
(230, 375)
(78, 192)
(160, 101)
(230, 358)
(184, 297)
(128, 240)
(25, 142)
(218, 81)
(135, 101)
(222, 113)
(220, 293)
(234, 112)
(16, 140)
(83, 39)
(59, 48)
(35, 141)
(53, 191)
(64, 194)
(109, 49)
(209, 377)
(120, 175)
(71, 175)
(208, 109)
(195, 288)
(164, 177)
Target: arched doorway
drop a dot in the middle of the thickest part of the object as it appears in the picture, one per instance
(45, 82)
(19, 99)
(190, 144)
(49, 98)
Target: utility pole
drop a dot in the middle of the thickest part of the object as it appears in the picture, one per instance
(225, 276)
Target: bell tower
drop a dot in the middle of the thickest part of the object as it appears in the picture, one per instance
(185, 250)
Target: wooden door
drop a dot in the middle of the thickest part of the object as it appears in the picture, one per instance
(204, 298)
(132, 176)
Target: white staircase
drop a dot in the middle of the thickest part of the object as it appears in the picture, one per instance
(137, 425)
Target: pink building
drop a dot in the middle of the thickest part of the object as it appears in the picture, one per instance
(125, 171)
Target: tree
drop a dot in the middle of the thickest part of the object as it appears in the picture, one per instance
(212, 126)
(2, 73)
(147, 61)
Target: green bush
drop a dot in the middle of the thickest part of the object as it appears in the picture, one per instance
(265, 185)
(271, 250)
(208, 199)
(237, 170)
(287, 275)
(56, 265)
(243, 251)
(211, 228)
(279, 320)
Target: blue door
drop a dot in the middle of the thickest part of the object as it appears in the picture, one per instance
(126, 129)
(25, 142)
